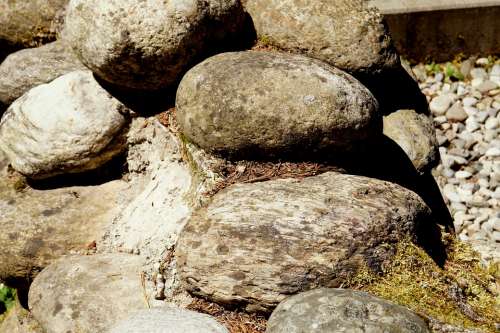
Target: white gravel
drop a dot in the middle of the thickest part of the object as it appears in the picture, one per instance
(467, 118)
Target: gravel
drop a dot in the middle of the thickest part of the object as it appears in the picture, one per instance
(467, 119)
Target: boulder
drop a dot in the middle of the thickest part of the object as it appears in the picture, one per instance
(29, 23)
(415, 134)
(69, 125)
(29, 68)
(342, 310)
(41, 225)
(148, 44)
(168, 320)
(255, 244)
(344, 33)
(87, 294)
(263, 103)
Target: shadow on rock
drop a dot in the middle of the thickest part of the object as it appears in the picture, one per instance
(110, 171)
(395, 90)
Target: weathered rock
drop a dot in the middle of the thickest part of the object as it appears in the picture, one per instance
(148, 44)
(255, 244)
(29, 23)
(19, 320)
(29, 68)
(43, 225)
(169, 319)
(342, 310)
(69, 125)
(415, 134)
(87, 294)
(263, 103)
(344, 33)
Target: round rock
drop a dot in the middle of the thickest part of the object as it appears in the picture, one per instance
(262, 103)
(415, 134)
(255, 244)
(168, 320)
(344, 33)
(342, 310)
(148, 44)
(68, 125)
(29, 68)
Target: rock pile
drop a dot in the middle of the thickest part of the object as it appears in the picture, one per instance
(266, 177)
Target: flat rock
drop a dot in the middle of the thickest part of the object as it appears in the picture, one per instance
(29, 68)
(415, 134)
(41, 225)
(456, 113)
(19, 320)
(29, 23)
(310, 233)
(343, 33)
(168, 320)
(148, 44)
(69, 125)
(87, 294)
(263, 103)
(342, 310)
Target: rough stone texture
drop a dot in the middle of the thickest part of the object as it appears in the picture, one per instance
(29, 68)
(342, 310)
(310, 233)
(18, 320)
(244, 103)
(87, 294)
(66, 126)
(344, 33)
(415, 134)
(29, 23)
(147, 44)
(41, 225)
(169, 320)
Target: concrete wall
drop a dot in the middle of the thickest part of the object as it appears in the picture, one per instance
(439, 30)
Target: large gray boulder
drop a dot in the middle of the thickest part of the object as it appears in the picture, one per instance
(148, 44)
(415, 134)
(41, 225)
(342, 310)
(255, 244)
(29, 68)
(29, 23)
(343, 33)
(262, 103)
(168, 320)
(69, 125)
(87, 294)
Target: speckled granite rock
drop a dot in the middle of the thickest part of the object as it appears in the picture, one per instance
(87, 294)
(29, 68)
(262, 103)
(148, 44)
(168, 320)
(342, 310)
(254, 244)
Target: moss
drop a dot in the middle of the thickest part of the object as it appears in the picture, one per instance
(461, 293)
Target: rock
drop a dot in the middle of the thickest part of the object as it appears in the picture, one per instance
(148, 45)
(440, 104)
(415, 134)
(479, 73)
(342, 310)
(29, 23)
(169, 319)
(69, 125)
(19, 320)
(486, 86)
(87, 294)
(41, 225)
(29, 68)
(345, 34)
(310, 233)
(260, 103)
(456, 113)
